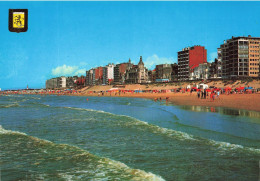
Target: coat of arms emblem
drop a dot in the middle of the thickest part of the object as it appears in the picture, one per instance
(18, 20)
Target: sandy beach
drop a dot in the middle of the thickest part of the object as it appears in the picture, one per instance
(238, 101)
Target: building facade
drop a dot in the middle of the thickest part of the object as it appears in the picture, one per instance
(71, 82)
(98, 75)
(167, 71)
(90, 77)
(188, 59)
(61, 82)
(120, 72)
(137, 74)
(202, 71)
(240, 57)
(51, 83)
(108, 74)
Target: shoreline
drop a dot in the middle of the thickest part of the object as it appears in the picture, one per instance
(249, 102)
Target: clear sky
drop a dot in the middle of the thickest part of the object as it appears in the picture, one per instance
(67, 38)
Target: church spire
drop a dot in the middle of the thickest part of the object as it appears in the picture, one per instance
(141, 61)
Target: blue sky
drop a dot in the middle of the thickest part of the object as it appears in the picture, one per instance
(67, 38)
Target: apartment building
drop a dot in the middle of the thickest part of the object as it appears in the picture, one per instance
(188, 59)
(240, 57)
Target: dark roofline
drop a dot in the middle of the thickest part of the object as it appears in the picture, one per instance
(246, 37)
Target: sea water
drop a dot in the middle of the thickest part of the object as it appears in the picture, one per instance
(111, 138)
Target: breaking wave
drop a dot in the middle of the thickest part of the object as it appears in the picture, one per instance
(83, 164)
(179, 135)
(9, 105)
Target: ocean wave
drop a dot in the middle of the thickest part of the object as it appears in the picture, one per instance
(179, 135)
(38, 104)
(84, 164)
(4, 131)
(9, 105)
(153, 128)
(225, 146)
(35, 98)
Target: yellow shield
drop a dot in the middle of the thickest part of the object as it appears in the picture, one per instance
(18, 20)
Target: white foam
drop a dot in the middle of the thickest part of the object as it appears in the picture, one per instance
(154, 128)
(4, 131)
(224, 146)
(9, 105)
(137, 174)
(229, 146)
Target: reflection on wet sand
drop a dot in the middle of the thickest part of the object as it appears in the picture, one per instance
(221, 110)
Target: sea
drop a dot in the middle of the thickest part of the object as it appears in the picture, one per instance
(114, 138)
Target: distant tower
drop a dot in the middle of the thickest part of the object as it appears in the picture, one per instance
(27, 86)
(141, 63)
(129, 60)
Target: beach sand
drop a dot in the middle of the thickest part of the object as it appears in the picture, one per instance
(238, 101)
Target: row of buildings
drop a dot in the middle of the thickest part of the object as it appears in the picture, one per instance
(238, 57)
(65, 82)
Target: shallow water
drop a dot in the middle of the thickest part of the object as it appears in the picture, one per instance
(108, 138)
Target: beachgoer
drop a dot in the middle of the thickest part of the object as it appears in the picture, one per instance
(205, 93)
(211, 96)
(218, 95)
(198, 93)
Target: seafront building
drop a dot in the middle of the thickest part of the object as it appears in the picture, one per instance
(188, 59)
(166, 72)
(90, 77)
(240, 57)
(108, 74)
(98, 76)
(151, 76)
(137, 74)
(120, 72)
(202, 71)
(61, 82)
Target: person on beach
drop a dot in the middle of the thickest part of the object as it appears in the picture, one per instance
(198, 93)
(202, 94)
(205, 93)
(212, 96)
(218, 93)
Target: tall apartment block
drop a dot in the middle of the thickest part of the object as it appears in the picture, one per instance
(108, 74)
(240, 57)
(188, 59)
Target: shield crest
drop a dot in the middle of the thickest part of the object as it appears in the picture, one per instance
(18, 20)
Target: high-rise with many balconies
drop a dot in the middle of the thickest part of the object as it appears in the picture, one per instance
(240, 57)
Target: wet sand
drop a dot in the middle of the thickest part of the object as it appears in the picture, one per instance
(238, 101)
